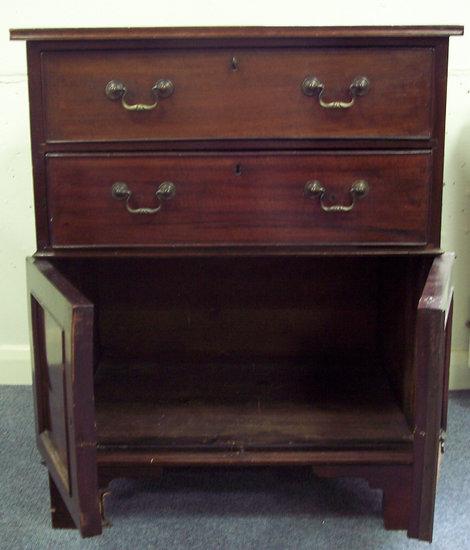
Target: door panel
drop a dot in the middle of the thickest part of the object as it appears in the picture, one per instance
(62, 343)
(433, 333)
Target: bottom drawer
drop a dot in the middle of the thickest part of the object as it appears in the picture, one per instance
(238, 199)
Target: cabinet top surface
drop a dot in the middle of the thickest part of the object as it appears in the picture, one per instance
(194, 33)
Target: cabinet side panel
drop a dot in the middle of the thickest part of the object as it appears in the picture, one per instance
(401, 285)
(36, 113)
(439, 111)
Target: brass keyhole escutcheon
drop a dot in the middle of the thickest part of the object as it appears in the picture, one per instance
(234, 63)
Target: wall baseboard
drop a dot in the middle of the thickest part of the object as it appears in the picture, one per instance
(15, 367)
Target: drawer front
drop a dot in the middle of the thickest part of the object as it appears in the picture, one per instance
(244, 94)
(238, 199)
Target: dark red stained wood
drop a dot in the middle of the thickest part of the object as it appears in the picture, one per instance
(195, 33)
(243, 407)
(448, 346)
(62, 329)
(433, 41)
(431, 339)
(121, 463)
(262, 99)
(202, 280)
(439, 108)
(238, 145)
(36, 114)
(220, 310)
(242, 252)
(261, 202)
(396, 327)
(56, 396)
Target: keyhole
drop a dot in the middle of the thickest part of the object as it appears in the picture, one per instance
(238, 169)
(234, 63)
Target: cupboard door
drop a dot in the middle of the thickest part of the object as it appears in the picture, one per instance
(432, 353)
(62, 357)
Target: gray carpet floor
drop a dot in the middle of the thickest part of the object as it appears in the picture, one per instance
(224, 509)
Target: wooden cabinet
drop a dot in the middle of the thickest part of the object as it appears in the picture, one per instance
(238, 257)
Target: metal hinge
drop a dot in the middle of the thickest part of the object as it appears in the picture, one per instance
(442, 440)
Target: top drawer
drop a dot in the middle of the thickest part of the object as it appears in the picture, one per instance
(239, 93)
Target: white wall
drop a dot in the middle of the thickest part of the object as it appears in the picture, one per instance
(16, 213)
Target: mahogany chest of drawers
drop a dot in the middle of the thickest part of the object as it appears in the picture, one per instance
(238, 257)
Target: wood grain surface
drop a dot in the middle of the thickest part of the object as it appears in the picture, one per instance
(239, 199)
(261, 99)
(245, 33)
(247, 407)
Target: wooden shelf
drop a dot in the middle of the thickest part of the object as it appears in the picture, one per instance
(246, 408)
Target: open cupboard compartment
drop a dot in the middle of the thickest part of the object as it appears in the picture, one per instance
(318, 360)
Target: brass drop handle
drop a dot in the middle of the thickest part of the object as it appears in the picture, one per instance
(314, 188)
(312, 86)
(120, 191)
(115, 89)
